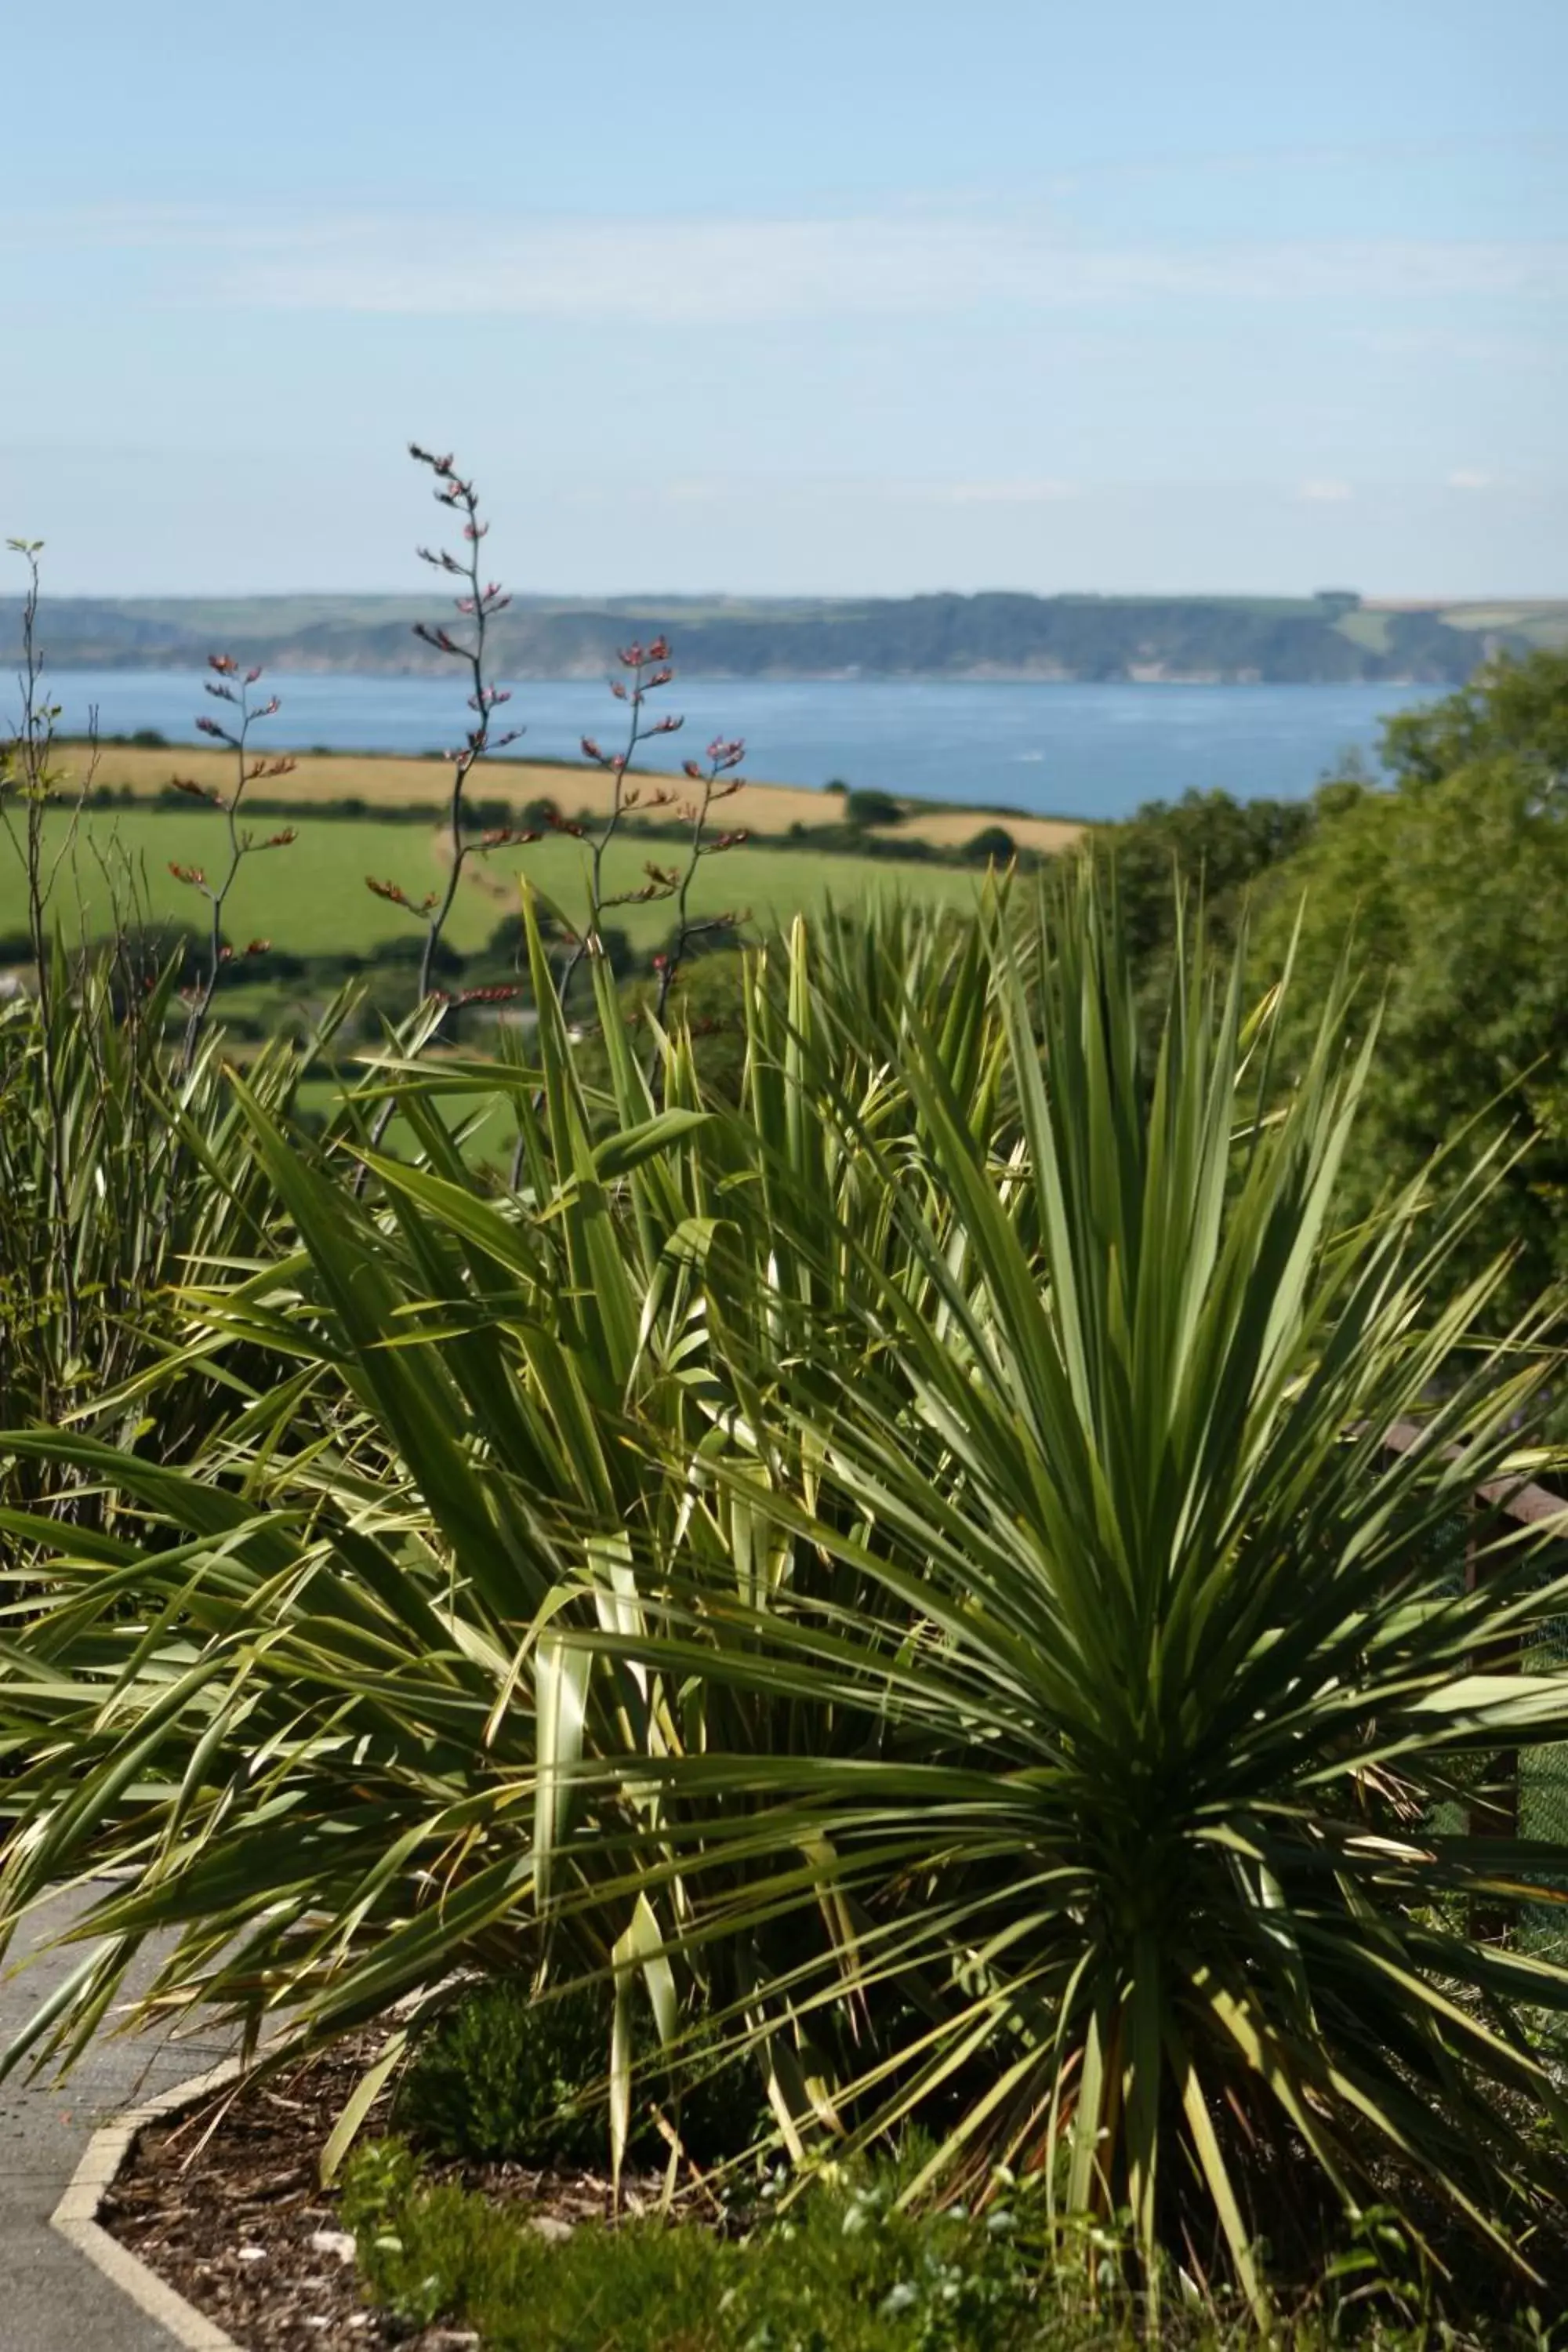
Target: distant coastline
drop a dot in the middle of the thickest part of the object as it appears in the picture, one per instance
(1065, 748)
(1333, 639)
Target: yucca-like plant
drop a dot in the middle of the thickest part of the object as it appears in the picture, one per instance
(911, 1565)
(1136, 1678)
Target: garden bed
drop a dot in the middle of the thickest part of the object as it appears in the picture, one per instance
(224, 2203)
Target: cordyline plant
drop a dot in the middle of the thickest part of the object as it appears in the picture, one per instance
(908, 1568)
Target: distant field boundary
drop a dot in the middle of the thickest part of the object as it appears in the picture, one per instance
(394, 780)
(310, 898)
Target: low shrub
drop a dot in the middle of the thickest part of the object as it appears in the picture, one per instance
(841, 2271)
(503, 2075)
(844, 2268)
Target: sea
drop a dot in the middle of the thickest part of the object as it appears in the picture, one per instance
(1035, 747)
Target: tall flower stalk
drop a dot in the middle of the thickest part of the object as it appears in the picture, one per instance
(649, 668)
(477, 602)
(231, 686)
(716, 781)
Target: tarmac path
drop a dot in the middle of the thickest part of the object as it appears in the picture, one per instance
(51, 2297)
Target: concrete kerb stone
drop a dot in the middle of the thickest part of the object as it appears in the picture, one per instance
(76, 2215)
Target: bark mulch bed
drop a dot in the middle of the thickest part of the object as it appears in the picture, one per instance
(225, 2204)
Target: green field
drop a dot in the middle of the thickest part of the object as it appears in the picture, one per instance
(491, 1139)
(312, 897)
(1544, 623)
(1371, 630)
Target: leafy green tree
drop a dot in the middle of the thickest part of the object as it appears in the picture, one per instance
(1206, 845)
(1520, 707)
(992, 846)
(867, 808)
(1450, 887)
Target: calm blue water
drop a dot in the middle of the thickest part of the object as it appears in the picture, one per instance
(1066, 750)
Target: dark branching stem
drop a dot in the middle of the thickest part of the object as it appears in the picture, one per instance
(477, 603)
(716, 781)
(477, 606)
(649, 668)
(228, 686)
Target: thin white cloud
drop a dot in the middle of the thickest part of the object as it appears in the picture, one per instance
(889, 490)
(701, 272)
(1325, 491)
(1450, 342)
(1001, 491)
(692, 271)
(1031, 492)
(695, 490)
(1471, 477)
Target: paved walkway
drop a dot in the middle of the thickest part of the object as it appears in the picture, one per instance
(51, 2297)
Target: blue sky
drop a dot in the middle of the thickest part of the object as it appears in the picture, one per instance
(1160, 294)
